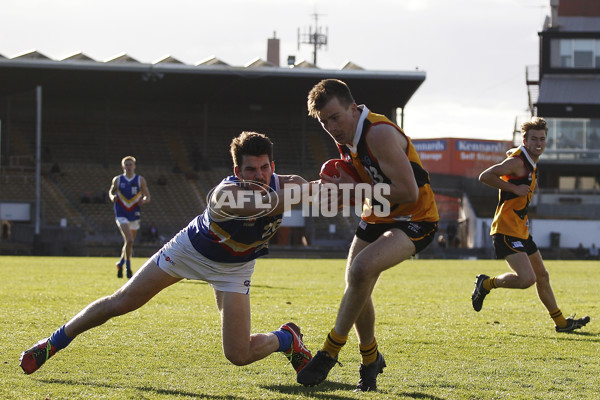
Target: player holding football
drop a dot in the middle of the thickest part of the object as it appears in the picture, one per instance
(220, 247)
(515, 178)
(381, 154)
(128, 192)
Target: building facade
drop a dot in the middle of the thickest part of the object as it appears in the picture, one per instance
(569, 95)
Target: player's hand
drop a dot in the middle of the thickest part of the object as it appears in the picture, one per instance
(343, 176)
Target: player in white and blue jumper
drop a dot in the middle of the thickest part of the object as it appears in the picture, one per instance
(220, 247)
(128, 192)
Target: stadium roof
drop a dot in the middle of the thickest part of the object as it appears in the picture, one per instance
(567, 89)
(167, 59)
(211, 80)
(78, 57)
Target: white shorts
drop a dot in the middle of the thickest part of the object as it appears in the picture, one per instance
(180, 259)
(133, 225)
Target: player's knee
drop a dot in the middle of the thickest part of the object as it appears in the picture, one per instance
(360, 271)
(526, 281)
(118, 307)
(120, 303)
(542, 277)
(237, 358)
(108, 307)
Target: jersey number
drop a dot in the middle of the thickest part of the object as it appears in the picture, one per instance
(271, 228)
(377, 178)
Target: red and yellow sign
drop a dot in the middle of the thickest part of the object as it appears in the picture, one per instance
(464, 157)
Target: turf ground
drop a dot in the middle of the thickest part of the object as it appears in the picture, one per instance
(435, 345)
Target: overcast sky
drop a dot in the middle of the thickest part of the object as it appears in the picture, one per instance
(474, 52)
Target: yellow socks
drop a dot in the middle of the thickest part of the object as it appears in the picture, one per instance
(368, 353)
(490, 283)
(333, 343)
(558, 318)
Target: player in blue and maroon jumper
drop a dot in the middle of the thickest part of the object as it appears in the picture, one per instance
(220, 247)
(128, 192)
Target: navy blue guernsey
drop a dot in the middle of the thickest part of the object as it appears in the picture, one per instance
(127, 197)
(235, 240)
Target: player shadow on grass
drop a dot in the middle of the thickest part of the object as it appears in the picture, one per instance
(322, 391)
(416, 395)
(572, 336)
(325, 391)
(197, 282)
(158, 391)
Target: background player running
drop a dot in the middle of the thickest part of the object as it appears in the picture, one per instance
(515, 178)
(128, 192)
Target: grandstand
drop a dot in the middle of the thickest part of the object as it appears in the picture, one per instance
(178, 121)
(179, 183)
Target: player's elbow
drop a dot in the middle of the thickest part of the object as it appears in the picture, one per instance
(488, 178)
(402, 195)
(482, 177)
(409, 195)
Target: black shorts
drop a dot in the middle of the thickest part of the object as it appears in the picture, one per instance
(421, 233)
(507, 245)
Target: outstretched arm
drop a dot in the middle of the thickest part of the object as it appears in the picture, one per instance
(234, 200)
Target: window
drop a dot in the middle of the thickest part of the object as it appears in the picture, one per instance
(566, 182)
(587, 183)
(573, 139)
(575, 53)
(593, 134)
(551, 136)
(570, 134)
(577, 183)
(583, 53)
(566, 53)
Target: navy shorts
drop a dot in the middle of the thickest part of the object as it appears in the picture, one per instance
(421, 233)
(507, 245)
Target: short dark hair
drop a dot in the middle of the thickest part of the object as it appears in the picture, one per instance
(535, 123)
(251, 144)
(326, 90)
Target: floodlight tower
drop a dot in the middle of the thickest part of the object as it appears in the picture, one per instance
(317, 38)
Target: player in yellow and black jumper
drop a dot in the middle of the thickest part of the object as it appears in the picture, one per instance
(382, 154)
(516, 179)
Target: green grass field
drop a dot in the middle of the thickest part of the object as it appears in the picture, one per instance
(435, 345)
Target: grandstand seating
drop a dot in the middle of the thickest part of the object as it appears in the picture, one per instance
(191, 164)
(19, 186)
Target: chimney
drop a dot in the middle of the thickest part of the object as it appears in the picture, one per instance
(554, 13)
(273, 50)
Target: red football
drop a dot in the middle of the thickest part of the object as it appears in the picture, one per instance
(329, 169)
